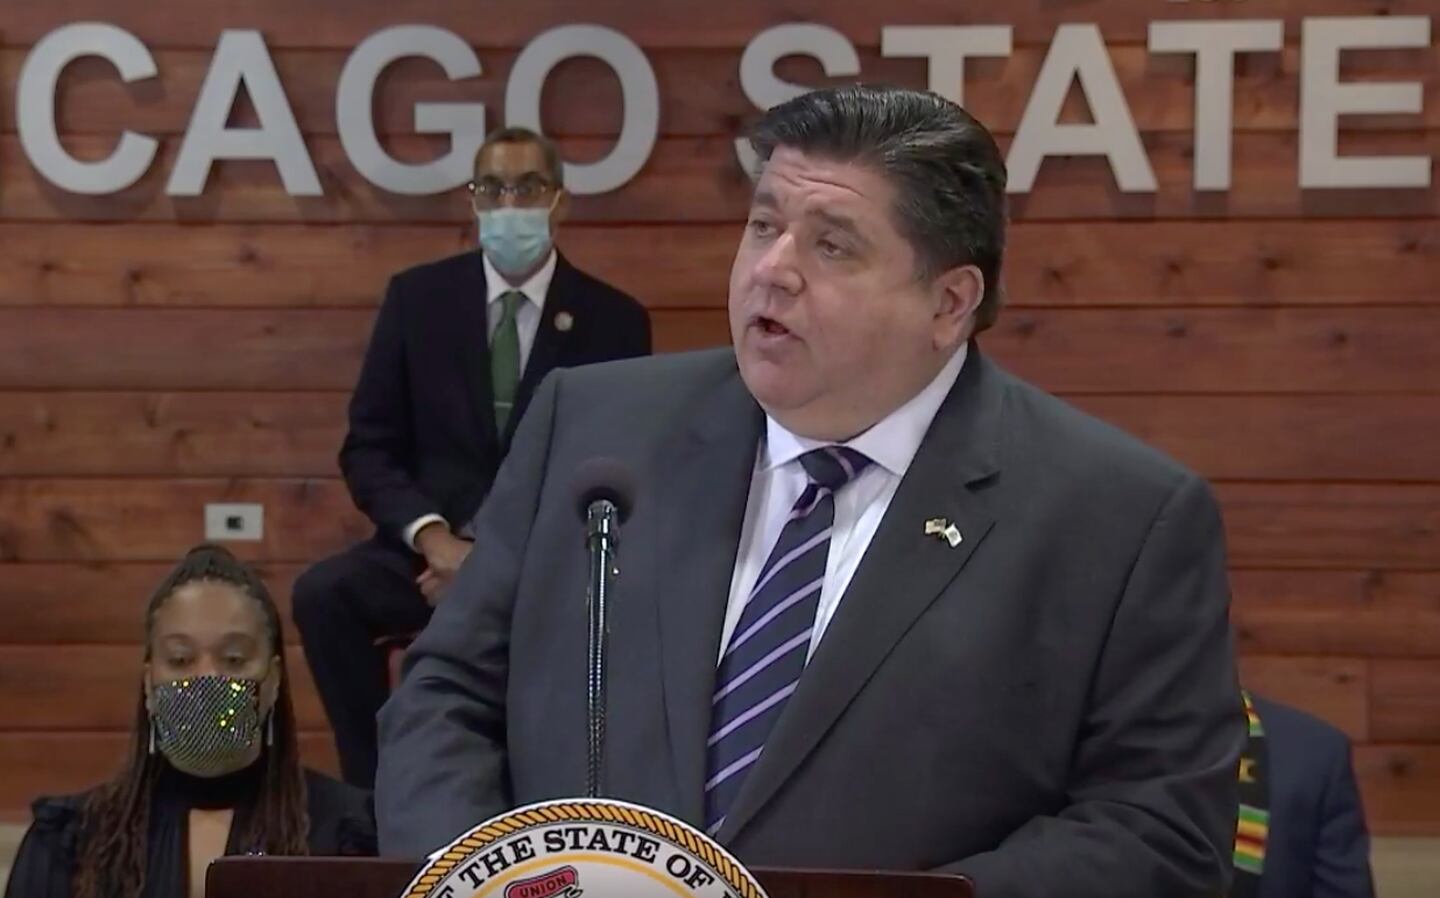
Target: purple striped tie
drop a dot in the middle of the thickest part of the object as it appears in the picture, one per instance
(766, 655)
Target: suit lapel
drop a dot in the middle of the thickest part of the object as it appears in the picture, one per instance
(473, 343)
(904, 570)
(704, 484)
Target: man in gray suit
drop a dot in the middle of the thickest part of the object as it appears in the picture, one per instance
(880, 603)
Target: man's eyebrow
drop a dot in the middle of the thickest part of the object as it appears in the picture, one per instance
(836, 220)
(765, 199)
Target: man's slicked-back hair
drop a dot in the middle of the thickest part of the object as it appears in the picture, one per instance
(946, 168)
(555, 168)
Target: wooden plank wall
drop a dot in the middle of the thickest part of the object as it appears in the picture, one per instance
(157, 353)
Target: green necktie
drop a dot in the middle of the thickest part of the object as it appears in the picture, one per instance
(505, 358)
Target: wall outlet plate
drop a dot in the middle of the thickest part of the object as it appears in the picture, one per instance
(234, 521)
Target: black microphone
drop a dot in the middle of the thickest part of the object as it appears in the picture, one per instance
(604, 491)
(603, 480)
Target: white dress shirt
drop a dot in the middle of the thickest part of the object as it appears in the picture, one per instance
(527, 322)
(779, 479)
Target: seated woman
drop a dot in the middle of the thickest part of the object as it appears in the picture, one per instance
(213, 767)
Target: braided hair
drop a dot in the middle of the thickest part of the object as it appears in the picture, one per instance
(116, 816)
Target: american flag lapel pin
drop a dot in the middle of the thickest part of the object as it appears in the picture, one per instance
(941, 528)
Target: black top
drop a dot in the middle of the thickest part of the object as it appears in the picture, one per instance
(341, 823)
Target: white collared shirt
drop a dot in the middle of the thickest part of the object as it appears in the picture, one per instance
(527, 323)
(779, 479)
(527, 317)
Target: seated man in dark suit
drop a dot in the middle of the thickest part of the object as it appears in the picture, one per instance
(457, 350)
(1302, 827)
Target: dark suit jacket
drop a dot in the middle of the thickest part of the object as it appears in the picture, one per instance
(1050, 707)
(422, 436)
(1317, 845)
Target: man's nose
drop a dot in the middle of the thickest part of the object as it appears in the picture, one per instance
(777, 266)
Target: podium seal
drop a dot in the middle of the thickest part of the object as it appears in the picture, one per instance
(592, 847)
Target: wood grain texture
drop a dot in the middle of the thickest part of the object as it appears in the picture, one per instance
(1187, 350)
(100, 603)
(1117, 263)
(198, 266)
(90, 687)
(244, 349)
(118, 349)
(1254, 437)
(1344, 526)
(1081, 350)
(97, 519)
(668, 23)
(1399, 784)
(700, 180)
(1333, 689)
(1375, 613)
(172, 434)
(700, 92)
(1332, 525)
(1405, 699)
(207, 434)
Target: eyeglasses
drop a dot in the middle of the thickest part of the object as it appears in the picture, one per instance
(487, 193)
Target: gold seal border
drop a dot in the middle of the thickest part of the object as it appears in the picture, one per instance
(563, 812)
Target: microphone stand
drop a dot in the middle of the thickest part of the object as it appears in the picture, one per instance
(601, 532)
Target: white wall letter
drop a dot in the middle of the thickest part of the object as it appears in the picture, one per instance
(1078, 52)
(35, 108)
(640, 93)
(757, 68)
(1215, 45)
(355, 102)
(241, 58)
(946, 47)
(1323, 99)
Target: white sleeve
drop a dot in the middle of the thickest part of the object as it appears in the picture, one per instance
(419, 523)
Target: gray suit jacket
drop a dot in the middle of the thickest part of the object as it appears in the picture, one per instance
(1050, 707)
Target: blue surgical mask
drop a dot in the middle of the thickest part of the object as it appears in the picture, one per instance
(515, 240)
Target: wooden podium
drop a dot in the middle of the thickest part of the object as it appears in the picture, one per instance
(250, 877)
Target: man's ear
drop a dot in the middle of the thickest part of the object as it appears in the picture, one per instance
(958, 293)
(561, 211)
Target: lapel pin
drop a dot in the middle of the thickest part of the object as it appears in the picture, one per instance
(942, 528)
(564, 321)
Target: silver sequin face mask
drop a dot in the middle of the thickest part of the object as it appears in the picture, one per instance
(208, 725)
